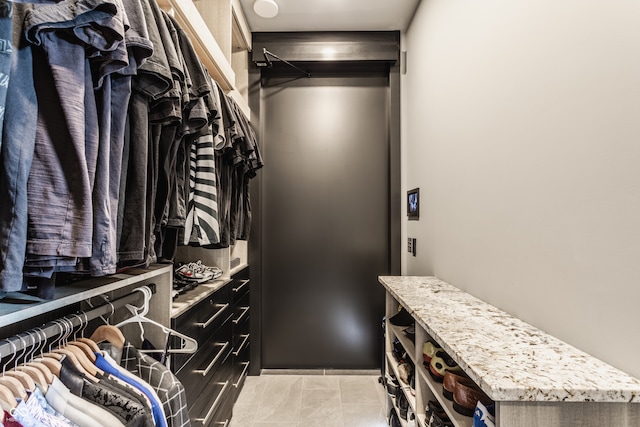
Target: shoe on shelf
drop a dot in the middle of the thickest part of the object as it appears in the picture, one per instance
(435, 415)
(466, 396)
(429, 349)
(394, 420)
(450, 381)
(484, 416)
(402, 318)
(392, 384)
(196, 272)
(440, 364)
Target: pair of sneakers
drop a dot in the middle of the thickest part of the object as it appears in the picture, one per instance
(196, 272)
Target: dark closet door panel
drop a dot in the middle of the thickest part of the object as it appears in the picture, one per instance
(325, 222)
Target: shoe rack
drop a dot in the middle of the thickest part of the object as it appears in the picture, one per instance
(426, 388)
(534, 378)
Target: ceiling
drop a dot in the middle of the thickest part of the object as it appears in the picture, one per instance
(334, 15)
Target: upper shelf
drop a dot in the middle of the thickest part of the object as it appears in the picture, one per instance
(18, 307)
(508, 358)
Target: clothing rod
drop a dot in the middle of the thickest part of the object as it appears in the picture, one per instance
(266, 54)
(15, 344)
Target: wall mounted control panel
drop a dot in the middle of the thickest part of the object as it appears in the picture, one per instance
(411, 246)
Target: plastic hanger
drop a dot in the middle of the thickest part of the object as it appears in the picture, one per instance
(188, 345)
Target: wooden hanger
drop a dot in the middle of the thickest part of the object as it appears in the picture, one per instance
(41, 375)
(82, 364)
(45, 373)
(51, 354)
(109, 334)
(51, 363)
(24, 378)
(88, 347)
(35, 374)
(16, 387)
(7, 399)
(91, 343)
(88, 351)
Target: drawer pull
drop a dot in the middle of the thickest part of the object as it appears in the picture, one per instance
(244, 311)
(204, 372)
(244, 371)
(215, 405)
(223, 307)
(224, 423)
(244, 342)
(242, 283)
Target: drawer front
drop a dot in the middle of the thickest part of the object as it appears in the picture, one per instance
(202, 321)
(240, 343)
(213, 406)
(240, 284)
(204, 318)
(240, 365)
(242, 274)
(240, 288)
(206, 363)
(240, 319)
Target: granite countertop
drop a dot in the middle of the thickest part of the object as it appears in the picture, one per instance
(508, 358)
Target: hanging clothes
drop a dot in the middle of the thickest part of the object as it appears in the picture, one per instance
(95, 186)
(128, 411)
(165, 384)
(105, 363)
(75, 408)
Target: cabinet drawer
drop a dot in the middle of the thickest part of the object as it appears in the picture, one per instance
(240, 343)
(213, 406)
(240, 316)
(202, 320)
(240, 288)
(206, 363)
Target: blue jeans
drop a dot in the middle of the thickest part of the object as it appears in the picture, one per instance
(16, 154)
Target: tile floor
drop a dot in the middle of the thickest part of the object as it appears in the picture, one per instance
(310, 401)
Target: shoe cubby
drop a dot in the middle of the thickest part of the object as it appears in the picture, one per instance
(534, 379)
(426, 388)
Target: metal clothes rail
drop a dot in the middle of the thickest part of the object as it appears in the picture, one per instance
(58, 328)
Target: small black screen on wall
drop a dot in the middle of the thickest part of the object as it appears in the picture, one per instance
(413, 203)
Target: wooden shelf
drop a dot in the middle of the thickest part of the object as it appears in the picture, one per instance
(217, 29)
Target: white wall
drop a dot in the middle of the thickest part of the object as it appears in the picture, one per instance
(521, 126)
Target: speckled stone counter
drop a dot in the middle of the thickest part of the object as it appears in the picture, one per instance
(510, 359)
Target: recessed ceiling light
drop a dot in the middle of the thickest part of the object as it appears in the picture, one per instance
(265, 8)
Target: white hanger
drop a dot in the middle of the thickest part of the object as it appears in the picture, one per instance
(188, 345)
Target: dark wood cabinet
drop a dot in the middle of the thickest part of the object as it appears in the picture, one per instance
(240, 293)
(216, 314)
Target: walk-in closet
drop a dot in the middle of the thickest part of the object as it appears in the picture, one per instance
(257, 213)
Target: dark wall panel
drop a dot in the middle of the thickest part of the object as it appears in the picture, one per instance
(325, 221)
